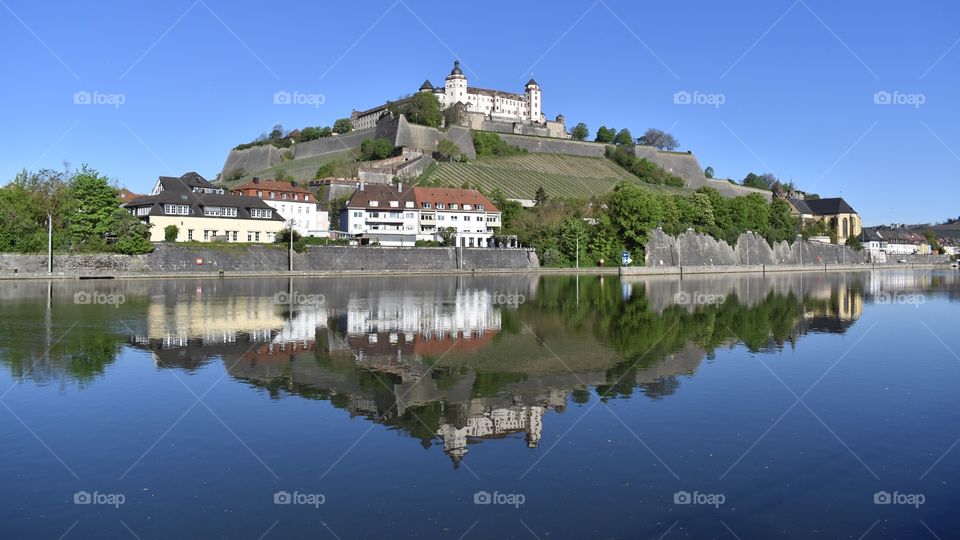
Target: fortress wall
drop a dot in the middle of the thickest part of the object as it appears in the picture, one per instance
(251, 159)
(544, 145)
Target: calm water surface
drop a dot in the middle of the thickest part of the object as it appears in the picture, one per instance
(785, 406)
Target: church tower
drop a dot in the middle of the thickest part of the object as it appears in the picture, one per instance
(534, 104)
(456, 86)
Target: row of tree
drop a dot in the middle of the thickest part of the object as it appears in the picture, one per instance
(282, 138)
(82, 206)
(622, 220)
(657, 138)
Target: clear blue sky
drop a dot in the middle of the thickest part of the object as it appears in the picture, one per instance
(797, 81)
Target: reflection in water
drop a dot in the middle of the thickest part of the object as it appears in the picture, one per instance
(439, 358)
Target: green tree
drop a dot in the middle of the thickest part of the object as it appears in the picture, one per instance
(170, 233)
(447, 149)
(634, 211)
(605, 135)
(371, 149)
(92, 209)
(708, 172)
(783, 225)
(342, 125)
(424, 109)
(326, 170)
(580, 132)
(624, 137)
(540, 198)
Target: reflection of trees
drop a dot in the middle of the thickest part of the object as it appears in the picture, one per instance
(71, 342)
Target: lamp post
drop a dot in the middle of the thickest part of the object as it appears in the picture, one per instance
(49, 244)
(291, 244)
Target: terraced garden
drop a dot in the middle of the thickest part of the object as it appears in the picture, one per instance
(520, 176)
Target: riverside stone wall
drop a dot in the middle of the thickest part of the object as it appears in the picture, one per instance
(174, 259)
(695, 249)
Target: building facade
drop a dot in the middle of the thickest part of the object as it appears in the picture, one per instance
(478, 104)
(202, 212)
(293, 203)
(839, 216)
(391, 216)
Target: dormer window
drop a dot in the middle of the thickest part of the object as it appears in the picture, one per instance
(409, 204)
(441, 206)
(479, 207)
(394, 204)
(466, 207)
(427, 205)
(454, 206)
(374, 203)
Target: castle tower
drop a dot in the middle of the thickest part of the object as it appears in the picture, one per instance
(534, 103)
(456, 86)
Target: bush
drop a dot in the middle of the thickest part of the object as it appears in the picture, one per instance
(326, 170)
(170, 233)
(487, 143)
(427, 243)
(642, 168)
(371, 149)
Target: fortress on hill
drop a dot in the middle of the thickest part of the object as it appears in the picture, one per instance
(481, 108)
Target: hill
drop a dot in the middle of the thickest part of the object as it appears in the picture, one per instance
(303, 169)
(520, 176)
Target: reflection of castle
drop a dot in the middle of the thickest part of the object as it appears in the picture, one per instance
(492, 424)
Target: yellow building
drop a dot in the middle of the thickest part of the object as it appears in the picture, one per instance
(839, 216)
(202, 212)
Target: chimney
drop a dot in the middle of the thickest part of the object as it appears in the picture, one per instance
(400, 187)
(293, 183)
(361, 185)
(256, 179)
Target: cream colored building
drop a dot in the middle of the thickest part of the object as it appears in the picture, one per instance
(839, 216)
(203, 213)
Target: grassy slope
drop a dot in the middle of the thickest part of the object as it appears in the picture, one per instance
(520, 176)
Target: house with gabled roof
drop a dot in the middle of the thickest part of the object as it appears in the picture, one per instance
(839, 216)
(202, 212)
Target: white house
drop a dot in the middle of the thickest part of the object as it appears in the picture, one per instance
(381, 214)
(472, 217)
(294, 204)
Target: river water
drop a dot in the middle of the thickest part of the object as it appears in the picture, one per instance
(814, 405)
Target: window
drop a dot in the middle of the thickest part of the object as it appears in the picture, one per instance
(260, 194)
(454, 218)
(284, 196)
(394, 204)
(235, 235)
(358, 214)
(143, 211)
(176, 209)
(206, 235)
(249, 236)
(296, 197)
(454, 206)
(409, 215)
(261, 213)
(408, 204)
(466, 218)
(440, 206)
(374, 203)
(256, 236)
(230, 211)
(466, 207)
(273, 195)
(479, 207)
(427, 205)
(189, 235)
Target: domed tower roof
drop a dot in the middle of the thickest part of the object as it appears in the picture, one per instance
(456, 68)
(426, 85)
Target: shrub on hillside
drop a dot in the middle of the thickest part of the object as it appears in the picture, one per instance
(488, 143)
(642, 168)
(371, 149)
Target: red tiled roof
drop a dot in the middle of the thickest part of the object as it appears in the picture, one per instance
(450, 196)
(380, 193)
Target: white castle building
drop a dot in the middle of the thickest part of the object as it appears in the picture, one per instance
(479, 105)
